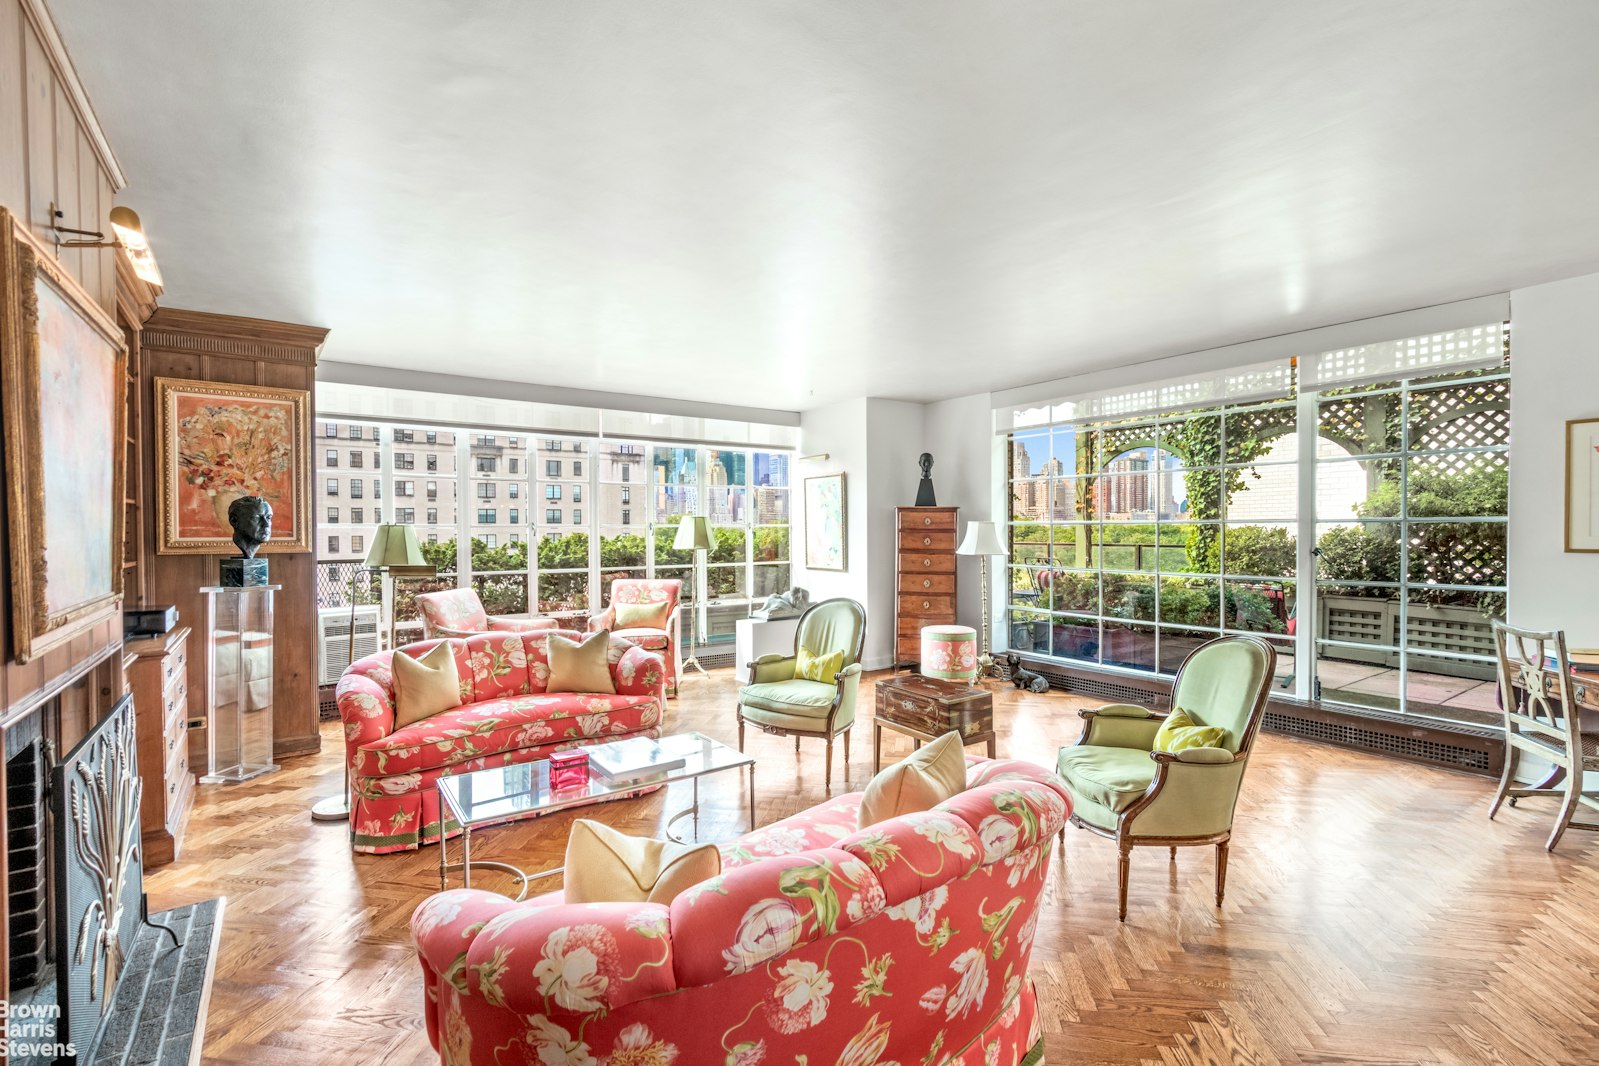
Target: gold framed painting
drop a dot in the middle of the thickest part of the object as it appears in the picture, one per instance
(65, 406)
(826, 523)
(1582, 485)
(216, 442)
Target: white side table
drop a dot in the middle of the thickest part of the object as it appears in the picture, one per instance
(754, 638)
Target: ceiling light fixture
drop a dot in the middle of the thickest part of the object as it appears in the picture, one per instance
(127, 234)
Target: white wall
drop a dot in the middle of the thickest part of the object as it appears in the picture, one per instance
(895, 432)
(960, 436)
(1554, 359)
(840, 431)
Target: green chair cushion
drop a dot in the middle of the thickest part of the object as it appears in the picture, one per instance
(809, 699)
(1111, 777)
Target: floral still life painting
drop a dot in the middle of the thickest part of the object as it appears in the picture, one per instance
(219, 442)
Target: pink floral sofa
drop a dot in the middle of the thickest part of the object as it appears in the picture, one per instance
(903, 943)
(664, 642)
(505, 717)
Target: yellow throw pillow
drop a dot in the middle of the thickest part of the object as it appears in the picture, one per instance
(605, 866)
(1179, 732)
(425, 686)
(919, 782)
(642, 615)
(812, 667)
(581, 667)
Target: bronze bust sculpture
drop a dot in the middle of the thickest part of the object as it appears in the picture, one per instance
(924, 490)
(251, 519)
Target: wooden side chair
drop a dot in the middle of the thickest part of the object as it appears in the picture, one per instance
(1124, 789)
(781, 699)
(1541, 718)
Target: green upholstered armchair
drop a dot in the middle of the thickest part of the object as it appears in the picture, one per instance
(1123, 789)
(778, 702)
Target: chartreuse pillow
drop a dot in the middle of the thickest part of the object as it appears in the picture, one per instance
(425, 686)
(642, 615)
(1179, 732)
(607, 866)
(813, 667)
(581, 667)
(919, 782)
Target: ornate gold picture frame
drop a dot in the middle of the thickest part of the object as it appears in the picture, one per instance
(1582, 485)
(216, 442)
(64, 398)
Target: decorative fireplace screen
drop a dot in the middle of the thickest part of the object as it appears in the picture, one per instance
(99, 870)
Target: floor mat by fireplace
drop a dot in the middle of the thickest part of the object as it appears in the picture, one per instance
(157, 1014)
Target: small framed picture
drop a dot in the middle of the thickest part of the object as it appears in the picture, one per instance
(826, 523)
(1582, 485)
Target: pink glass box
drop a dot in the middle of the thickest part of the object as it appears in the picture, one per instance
(569, 769)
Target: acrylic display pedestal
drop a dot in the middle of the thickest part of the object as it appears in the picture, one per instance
(239, 655)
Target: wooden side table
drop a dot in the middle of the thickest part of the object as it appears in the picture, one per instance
(924, 709)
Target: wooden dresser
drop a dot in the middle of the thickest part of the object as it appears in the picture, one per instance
(924, 576)
(159, 678)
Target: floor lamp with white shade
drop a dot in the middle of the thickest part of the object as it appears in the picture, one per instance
(397, 553)
(694, 534)
(983, 540)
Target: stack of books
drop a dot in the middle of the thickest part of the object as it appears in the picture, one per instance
(634, 759)
(1584, 660)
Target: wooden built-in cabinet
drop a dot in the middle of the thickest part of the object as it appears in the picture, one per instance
(158, 674)
(924, 577)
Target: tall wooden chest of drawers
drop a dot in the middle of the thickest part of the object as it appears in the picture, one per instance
(159, 678)
(924, 577)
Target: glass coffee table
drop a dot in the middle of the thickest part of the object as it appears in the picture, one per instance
(508, 793)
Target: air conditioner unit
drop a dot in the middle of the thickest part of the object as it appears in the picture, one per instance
(333, 639)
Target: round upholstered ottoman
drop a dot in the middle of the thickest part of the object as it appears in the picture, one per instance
(949, 653)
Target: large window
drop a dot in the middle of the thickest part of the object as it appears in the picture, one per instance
(552, 559)
(1135, 540)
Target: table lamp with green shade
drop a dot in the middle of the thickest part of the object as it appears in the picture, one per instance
(694, 534)
(397, 552)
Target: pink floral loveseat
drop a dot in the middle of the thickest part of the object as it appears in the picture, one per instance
(505, 717)
(906, 942)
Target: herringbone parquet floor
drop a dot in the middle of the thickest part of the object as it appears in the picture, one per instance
(1374, 915)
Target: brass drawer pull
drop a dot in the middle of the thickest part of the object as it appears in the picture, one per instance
(927, 521)
(926, 604)
(927, 582)
(927, 562)
(927, 542)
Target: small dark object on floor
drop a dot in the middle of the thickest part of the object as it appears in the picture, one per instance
(1022, 677)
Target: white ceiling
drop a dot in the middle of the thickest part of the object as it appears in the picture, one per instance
(782, 204)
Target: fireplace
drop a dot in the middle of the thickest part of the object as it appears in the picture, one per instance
(75, 879)
(28, 758)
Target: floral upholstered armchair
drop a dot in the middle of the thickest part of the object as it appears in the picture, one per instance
(638, 594)
(459, 613)
(905, 942)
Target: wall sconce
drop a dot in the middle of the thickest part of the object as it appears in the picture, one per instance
(127, 234)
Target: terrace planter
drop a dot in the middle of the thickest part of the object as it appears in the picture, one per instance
(1450, 629)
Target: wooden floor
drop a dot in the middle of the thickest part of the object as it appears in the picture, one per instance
(1374, 914)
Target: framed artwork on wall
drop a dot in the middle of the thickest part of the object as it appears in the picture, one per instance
(216, 442)
(826, 523)
(65, 405)
(1582, 485)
